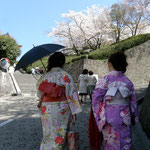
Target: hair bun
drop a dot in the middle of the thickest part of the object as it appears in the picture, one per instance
(57, 59)
(118, 61)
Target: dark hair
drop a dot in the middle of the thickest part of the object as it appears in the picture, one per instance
(85, 71)
(118, 61)
(90, 72)
(57, 59)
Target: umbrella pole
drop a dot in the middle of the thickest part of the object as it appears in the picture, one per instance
(43, 64)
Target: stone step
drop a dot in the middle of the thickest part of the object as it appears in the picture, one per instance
(26, 82)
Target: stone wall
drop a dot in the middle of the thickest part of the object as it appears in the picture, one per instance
(75, 69)
(97, 66)
(138, 65)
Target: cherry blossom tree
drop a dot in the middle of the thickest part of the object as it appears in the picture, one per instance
(129, 18)
(135, 13)
(64, 33)
(98, 27)
(88, 28)
(117, 14)
(95, 27)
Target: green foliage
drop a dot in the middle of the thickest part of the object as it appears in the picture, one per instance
(70, 58)
(9, 48)
(73, 58)
(28, 69)
(78, 58)
(37, 64)
(82, 52)
(123, 45)
(116, 13)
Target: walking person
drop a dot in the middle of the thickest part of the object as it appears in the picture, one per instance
(59, 103)
(91, 80)
(114, 105)
(82, 81)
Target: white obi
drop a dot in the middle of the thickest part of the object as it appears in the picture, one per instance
(118, 93)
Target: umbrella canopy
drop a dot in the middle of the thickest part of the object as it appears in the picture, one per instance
(37, 53)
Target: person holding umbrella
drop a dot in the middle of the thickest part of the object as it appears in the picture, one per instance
(59, 103)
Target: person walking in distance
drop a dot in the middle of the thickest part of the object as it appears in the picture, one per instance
(91, 80)
(82, 82)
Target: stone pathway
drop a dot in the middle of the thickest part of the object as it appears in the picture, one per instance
(24, 131)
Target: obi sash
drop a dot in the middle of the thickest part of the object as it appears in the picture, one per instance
(117, 93)
(52, 92)
(124, 91)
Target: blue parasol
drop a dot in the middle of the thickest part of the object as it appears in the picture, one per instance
(37, 53)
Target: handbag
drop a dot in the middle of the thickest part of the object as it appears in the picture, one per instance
(73, 138)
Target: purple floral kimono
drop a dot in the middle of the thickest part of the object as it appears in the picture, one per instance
(115, 108)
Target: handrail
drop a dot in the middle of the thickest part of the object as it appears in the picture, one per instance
(17, 89)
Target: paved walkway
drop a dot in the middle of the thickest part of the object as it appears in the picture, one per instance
(20, 125)
(24, 131)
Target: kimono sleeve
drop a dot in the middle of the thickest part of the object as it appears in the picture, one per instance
(72, 95)
(134, 107)
(98, 96)
(39, 93)
(99, 92)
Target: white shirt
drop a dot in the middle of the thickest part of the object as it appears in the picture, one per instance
(91, 80)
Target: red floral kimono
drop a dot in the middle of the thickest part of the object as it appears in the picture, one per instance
(55, 115)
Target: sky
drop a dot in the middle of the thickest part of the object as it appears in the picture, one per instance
(29, 21)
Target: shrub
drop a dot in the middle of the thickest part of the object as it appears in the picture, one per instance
(123, 45)
(9, 48)
(78, 58)
(28, 69)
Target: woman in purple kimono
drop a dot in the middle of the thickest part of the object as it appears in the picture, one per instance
(114, 105)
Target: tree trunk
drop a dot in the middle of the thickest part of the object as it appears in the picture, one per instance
(118, 37)
(75, 49)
